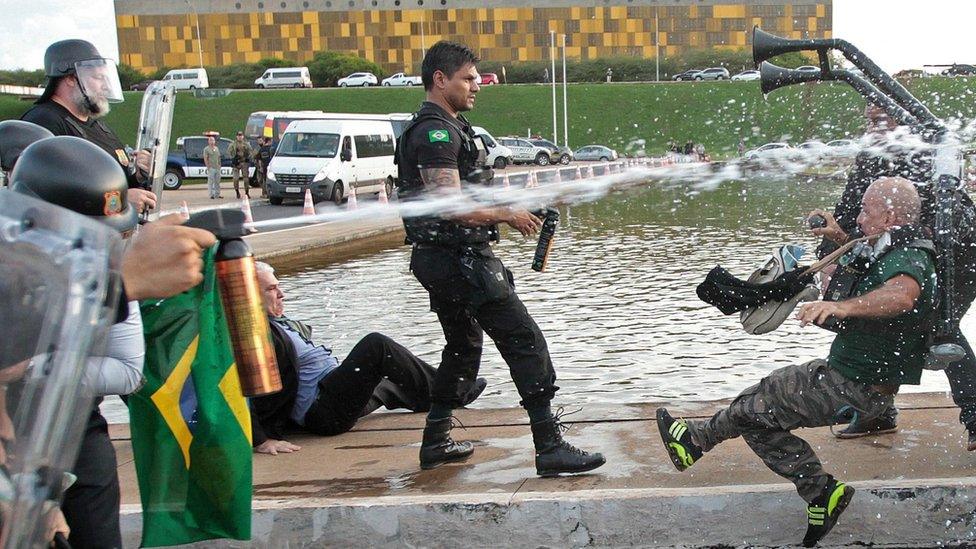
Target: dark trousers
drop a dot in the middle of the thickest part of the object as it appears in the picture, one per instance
(377, 372)
(91, 504)
(962, 374)
(465, 315)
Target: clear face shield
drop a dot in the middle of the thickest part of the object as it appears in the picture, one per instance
(99, 80)
(59, 282)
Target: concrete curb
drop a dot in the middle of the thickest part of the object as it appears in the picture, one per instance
(910, 513)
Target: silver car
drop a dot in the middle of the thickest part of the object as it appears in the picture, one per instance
(525, 152)
(714, 73)
(595, 152)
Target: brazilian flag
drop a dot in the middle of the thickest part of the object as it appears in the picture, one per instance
(191, 430)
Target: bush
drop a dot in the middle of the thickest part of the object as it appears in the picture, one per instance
(327, 67)
(129, 75)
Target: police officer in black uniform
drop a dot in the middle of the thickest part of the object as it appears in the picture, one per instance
(870, 165)
(81, 85)
(470, 290)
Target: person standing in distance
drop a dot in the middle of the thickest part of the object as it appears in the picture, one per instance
(81, 84)
(240, 153)
(470, 290)
(211, 158)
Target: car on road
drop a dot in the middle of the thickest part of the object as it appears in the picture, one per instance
(596, 152)
(526, 152)
(689, 74)
(285, 77)
(842, 147)
(141, 86)
(499, 156)
(713, 73)
(487, 79)
(186, 162)
(960, 70)
(769, 149)
(746, 76)
(561, 155)
(364, 79)
(400, 79)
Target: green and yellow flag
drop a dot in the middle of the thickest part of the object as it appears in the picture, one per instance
(191, 431)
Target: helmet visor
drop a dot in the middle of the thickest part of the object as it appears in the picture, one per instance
(99, 78)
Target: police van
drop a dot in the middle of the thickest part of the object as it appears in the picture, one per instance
(188, 79)
(332, 157)
(290, 77)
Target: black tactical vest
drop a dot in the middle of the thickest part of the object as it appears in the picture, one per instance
(472, 168)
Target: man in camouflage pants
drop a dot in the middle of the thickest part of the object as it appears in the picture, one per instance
(882, 346)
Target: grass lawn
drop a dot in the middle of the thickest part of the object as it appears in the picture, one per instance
(626, 116)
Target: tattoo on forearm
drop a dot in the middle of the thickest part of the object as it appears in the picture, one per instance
(441, 178)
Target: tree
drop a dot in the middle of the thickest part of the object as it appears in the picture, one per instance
(327, 67)
(129, 75)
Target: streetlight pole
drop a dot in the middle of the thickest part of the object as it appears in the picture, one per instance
(657, 49)
(552, 60)
(565, 104)
(196, 16)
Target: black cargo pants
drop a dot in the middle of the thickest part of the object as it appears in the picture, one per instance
(472, 294)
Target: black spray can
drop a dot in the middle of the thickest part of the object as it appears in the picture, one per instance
(550, 218)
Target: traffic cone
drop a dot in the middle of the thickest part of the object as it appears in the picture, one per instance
(589, 171)
(533, 180)
(351, 203)
(309, 207)
(184, 211)
(579, 173)
(381, 197)
(246, 208)
(559, 176)
(505, 182)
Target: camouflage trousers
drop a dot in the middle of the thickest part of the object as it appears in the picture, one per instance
(807, 395)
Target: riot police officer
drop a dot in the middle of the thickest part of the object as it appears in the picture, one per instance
(470, 290)
(15, 136)
(81, 86)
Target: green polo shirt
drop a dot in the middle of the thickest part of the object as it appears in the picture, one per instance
(894, 352)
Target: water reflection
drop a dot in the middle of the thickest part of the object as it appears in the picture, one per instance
(618, 303)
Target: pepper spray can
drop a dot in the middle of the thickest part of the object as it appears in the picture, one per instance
(246, 320)
(550, 218)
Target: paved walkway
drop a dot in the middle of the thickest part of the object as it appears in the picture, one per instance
(357, 477)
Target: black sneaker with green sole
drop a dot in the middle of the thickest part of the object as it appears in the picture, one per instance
(677, 440)
(822, 513)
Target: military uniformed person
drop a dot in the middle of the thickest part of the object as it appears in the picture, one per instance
(81, 84)
(470, 290)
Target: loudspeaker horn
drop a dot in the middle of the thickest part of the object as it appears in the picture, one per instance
(772, 77)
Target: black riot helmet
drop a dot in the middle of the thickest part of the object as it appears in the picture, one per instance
(96, 75)
(15, 136)
(77, 175)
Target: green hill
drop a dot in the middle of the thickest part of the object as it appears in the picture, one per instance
(626, 116)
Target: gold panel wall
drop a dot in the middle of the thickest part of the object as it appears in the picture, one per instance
(395, 38)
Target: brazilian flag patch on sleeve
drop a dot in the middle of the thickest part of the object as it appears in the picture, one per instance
(439, 136)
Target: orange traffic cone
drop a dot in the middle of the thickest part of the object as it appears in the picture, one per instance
(505, 183)
(246, 208)
(351, 203)
(559, 176)
(579, 173)
(184, 211)
(381, 197)
(589, 171)
(309, 207)
(533, 181)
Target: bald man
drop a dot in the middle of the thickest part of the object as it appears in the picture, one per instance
(879, 306)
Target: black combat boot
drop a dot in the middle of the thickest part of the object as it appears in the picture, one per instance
(553, 455)
(438, 447)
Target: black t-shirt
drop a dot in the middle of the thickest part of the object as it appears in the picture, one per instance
(432, 143)
(60, 121)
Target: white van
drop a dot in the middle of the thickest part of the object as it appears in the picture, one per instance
(499, 156)
(188, 79)
(291, 77)
(331, 157)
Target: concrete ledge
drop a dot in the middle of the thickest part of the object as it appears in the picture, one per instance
(920, 513)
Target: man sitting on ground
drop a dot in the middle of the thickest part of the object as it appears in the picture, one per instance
(880, 344)
(324, 395)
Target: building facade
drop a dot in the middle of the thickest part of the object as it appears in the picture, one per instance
(395, 33)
